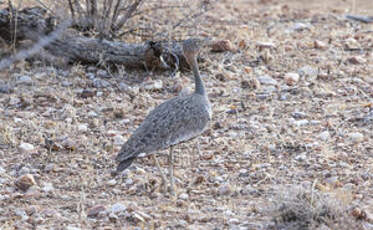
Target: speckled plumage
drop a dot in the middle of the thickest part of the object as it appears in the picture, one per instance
(176, 120)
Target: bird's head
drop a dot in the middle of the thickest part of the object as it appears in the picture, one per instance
(191, 48)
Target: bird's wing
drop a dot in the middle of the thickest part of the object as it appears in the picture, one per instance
(172, 122)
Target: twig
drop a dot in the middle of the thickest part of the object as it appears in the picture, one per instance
(37, 46)
(128, 15)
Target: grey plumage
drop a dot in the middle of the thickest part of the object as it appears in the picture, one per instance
(176, 120)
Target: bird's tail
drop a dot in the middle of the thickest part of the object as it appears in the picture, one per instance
(125, 164)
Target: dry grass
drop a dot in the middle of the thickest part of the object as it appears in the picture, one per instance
(302, 209)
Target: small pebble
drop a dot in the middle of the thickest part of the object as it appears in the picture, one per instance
(48, 187)
(26, 147)
(154, 85)
(111, 182)
(267, 80)
(94, 211)
(291, 78)
(100, 83)
(324, 135)
(224, 189)
(356, 137)
(118, 208)
(24, 80)
(24, 182)
(119, 140)
(184, 196)
(301, 123)
(82, 127)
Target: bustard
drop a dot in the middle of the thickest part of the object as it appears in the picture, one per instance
(176, 120)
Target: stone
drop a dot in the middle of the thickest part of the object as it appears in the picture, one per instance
(21, 213)
(69, 227)
(184, 196)
(224, 189)
(356, 60)
(26, 147)
(66, 83)
(90, 76)
(83, 127)
(111, 182)
(301, 157)
(320, 45)
(356, 137)
(119, 140)
(103, 74)
(95, 211)
(291, 78)
(24, 182)
(118, 208)
(324, 135)
(100, 83)
(267, 80)
(48, 187)
(265, 45)
(154, 85)
(301, 122)
(300, 26)
(6, 88)
(24, 80)
(298, 115)
(233, 221)
(308, 71)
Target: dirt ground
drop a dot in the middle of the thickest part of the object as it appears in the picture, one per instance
(293, 111)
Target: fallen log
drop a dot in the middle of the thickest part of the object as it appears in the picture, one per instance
(34, 24)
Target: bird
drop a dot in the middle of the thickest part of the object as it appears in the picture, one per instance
(174, 121)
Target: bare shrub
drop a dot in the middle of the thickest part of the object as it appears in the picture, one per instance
(295, 208)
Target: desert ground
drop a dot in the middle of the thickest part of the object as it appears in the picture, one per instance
(290, 144)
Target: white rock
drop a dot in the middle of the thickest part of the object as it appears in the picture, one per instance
(224, 189)
(24, 80)
(233, 221)
(267, 80)
(2, 170)
(26, 147)
(184, 196)
(83, 127)
(48, 187)
(21, 213)
(356, 137)
(72, 228)
(118, 208)
(300, 26)
(119, 140)
(92, 114)
(324, 135)
(301, 157)
(308, 71)
(111, 182)
(154, 85)
(17, 120)
(291, 78)
(100, 83)
(301, 122)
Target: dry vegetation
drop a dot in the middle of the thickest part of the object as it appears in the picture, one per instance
(290, 145)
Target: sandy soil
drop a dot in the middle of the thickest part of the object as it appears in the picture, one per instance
(293, 111)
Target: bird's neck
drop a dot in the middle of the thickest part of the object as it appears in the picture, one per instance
(199, 86)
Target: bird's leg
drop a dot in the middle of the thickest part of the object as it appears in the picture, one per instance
(171, 171)
(164, 180)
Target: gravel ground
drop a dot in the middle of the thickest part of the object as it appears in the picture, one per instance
(290, 145)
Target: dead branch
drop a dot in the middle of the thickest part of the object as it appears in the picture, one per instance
(75, 48)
